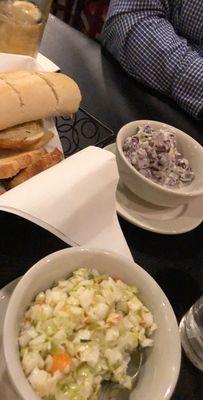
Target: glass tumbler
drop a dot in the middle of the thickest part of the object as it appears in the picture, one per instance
(22, 24)
(191, 332)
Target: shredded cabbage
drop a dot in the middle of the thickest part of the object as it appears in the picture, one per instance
(81, 332)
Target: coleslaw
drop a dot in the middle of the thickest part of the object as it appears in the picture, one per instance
(81, 332)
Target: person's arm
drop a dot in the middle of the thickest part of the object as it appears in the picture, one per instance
(139, 35)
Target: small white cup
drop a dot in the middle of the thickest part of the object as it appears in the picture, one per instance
(146, 188)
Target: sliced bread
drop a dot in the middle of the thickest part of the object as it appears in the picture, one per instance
(2, 188)
(48, 135)
(12, 162)
(21, 136)
(46, 161)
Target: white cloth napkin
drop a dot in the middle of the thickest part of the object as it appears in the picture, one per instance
(8, 62)
(75, 200)
(46, 64)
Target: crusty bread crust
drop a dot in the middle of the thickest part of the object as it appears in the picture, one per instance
(12, 162)
(43, 163)
(21, 136)
(65, 90)
(2, 188)
(28, 96)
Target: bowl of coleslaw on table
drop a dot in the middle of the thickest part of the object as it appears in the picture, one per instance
(73, 321)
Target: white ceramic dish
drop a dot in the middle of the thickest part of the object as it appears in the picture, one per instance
(7, 391)
(159, 219)
(151, 191)
(161, 369)
(164, 220)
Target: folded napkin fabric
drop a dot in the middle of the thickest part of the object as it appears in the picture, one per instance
(9, 62)
(75, 200)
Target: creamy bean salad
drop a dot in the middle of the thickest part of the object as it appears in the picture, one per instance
(80, 333)
(155, 155)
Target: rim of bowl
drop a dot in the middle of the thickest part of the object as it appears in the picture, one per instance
(174, 191)
(35, 270)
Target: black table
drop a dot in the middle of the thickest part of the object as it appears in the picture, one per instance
(176, 262)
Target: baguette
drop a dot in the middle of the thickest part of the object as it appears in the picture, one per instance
(12, 162)
(27, 96)
(43, 163)
(21, 136)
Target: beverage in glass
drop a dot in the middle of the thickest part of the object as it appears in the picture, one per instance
(22, 24)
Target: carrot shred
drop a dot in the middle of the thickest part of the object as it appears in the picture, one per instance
(116, 320)
(60, 362)
(64, 308)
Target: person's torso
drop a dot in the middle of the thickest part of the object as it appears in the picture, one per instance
(186, 16)
(187, 19)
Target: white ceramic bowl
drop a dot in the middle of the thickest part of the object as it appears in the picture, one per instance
(146, 188)
(161, 369)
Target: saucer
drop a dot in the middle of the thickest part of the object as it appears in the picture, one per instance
(7, 391)
(165, 220)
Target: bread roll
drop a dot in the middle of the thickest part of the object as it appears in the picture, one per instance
(27, 96)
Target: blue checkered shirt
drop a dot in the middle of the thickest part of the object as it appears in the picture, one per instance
(160, 42)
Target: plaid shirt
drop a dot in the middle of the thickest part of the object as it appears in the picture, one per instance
(160, 42)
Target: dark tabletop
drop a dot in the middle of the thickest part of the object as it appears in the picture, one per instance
(176, 262)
